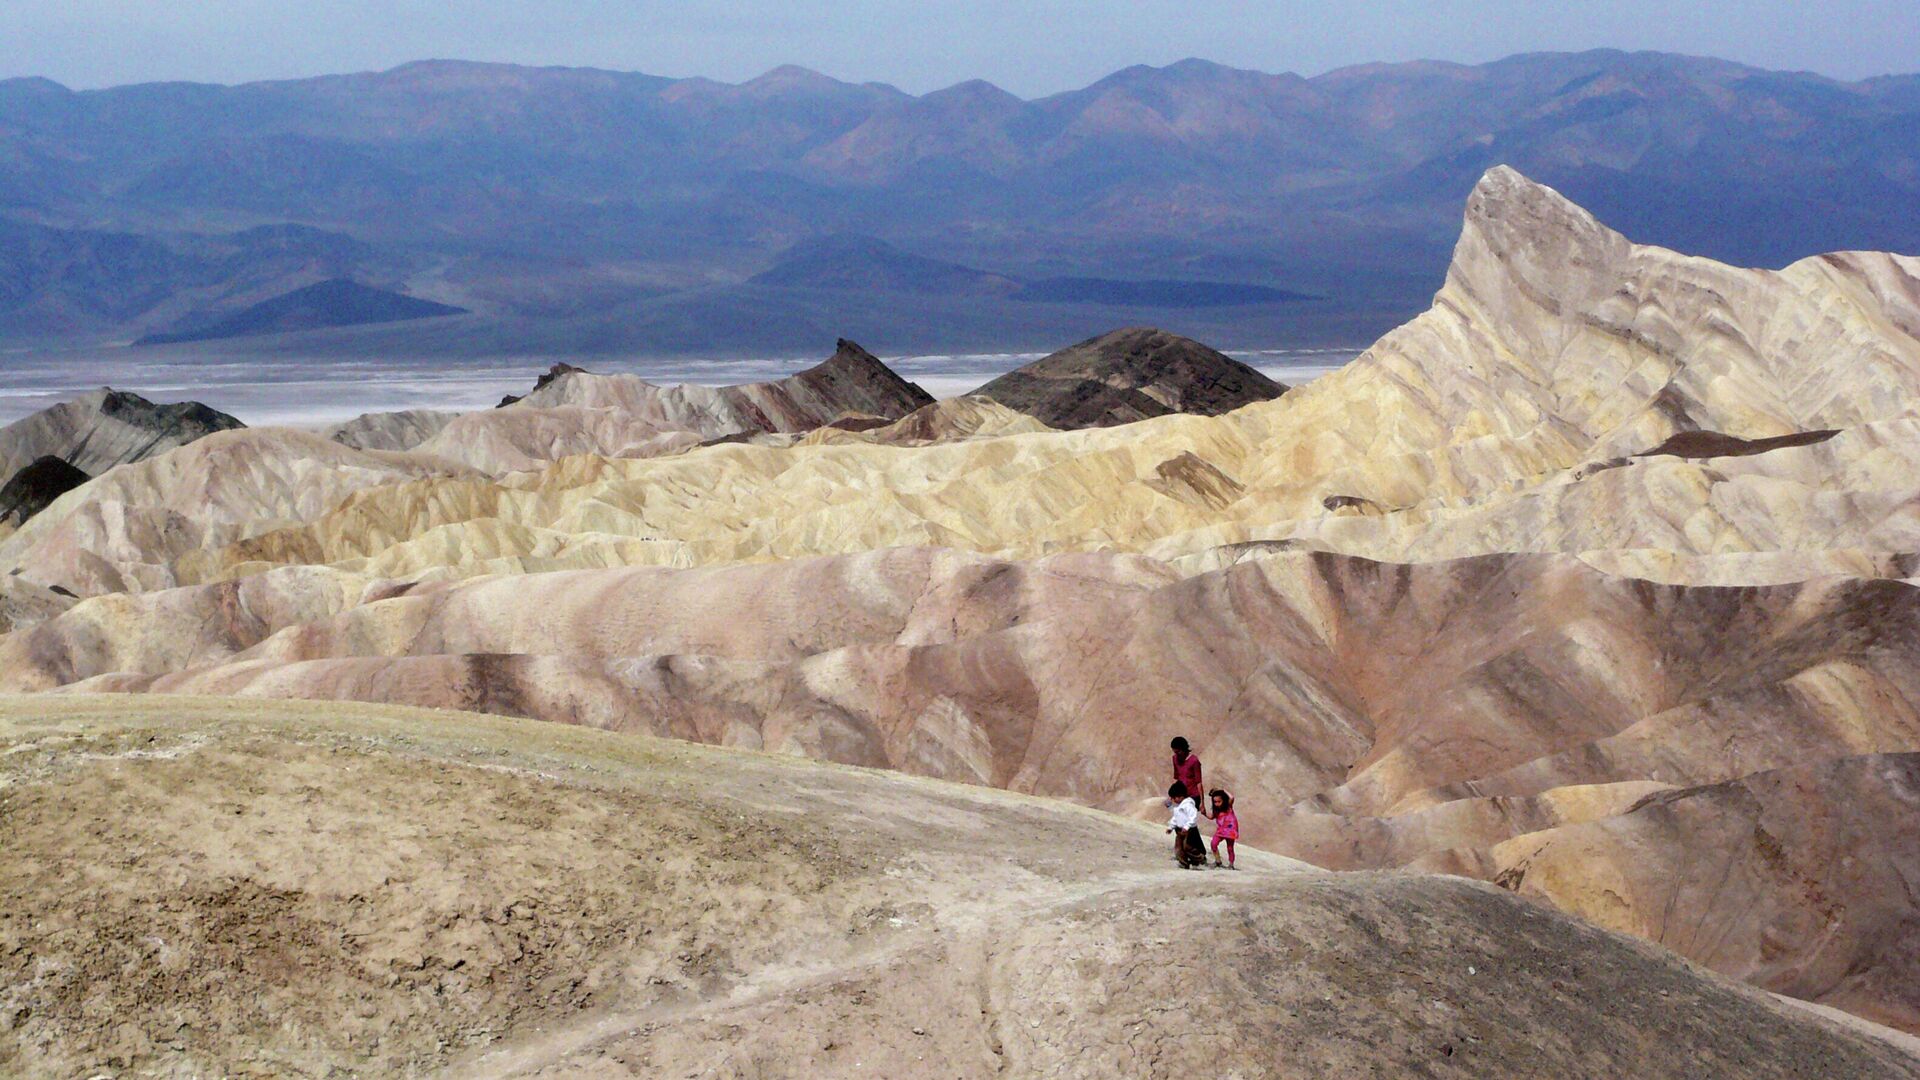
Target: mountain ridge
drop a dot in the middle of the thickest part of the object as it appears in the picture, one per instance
(791, 73)
(546, 195)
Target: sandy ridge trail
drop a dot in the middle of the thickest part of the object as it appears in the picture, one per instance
(962, 943)
(194, 887)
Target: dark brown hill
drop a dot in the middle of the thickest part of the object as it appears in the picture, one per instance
(1129, 375)
(34, 487)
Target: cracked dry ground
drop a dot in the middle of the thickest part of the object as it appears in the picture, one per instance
(195, 887)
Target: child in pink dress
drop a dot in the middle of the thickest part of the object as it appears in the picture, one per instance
(1226, 826)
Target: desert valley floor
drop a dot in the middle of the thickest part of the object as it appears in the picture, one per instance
(1561, 652)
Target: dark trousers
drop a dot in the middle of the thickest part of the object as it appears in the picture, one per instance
(1193, 850)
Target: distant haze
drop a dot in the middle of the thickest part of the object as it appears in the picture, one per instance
(1031, 47)
(589, 212)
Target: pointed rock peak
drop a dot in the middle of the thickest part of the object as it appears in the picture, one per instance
(558, 370)
(111, 399)
(862, 377)
(849, 356)
(1504, 199)
(106, 399)
(1504, 183)
(1526, 231)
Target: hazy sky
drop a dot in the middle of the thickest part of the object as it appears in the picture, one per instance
(1031, 47)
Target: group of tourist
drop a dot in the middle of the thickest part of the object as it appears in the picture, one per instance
(1187, 797)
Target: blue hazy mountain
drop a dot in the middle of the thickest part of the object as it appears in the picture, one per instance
(338, 302)
(599, 209)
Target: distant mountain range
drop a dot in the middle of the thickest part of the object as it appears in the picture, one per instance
(579, 210)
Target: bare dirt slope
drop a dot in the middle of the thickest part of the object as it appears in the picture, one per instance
(197, 886)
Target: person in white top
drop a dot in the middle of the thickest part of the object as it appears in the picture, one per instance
(1188, 849)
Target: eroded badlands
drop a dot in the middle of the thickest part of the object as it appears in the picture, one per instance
(1593, 582)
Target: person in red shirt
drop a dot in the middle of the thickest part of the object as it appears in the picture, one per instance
(1186, 770)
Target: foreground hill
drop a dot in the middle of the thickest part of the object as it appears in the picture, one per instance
(300, 891)
(1129, 375)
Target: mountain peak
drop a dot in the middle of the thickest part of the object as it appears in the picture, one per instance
(973, 91)
(1194, 65)
(1505, 200)
(792, 77)
(1524, 227)
(847, 353)
(1506, 182)
(794, 81)
(854, 379)
(1505, 195)
(1129, 374)
(794, 73)
(34, 84)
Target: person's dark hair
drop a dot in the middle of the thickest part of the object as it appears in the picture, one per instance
(1179, 742)
(1221, 798)
(1178, 791)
